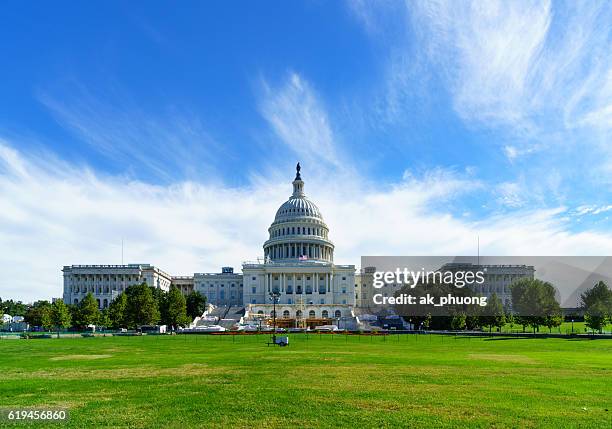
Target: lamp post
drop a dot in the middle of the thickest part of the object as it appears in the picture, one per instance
(274, 297)
(572, 326)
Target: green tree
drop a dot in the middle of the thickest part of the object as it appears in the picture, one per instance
(493, 314)
(60, 316)
(596, 316)
(39, 314)
(14, 308)
(104, 319)
(89, 313)
(117, 312)
(142, 308)
(553, 320)
(196, 304)
(510, 319)
(176, 309)
(597, 305)
(534, 301)
(598, 294)
(458, 321)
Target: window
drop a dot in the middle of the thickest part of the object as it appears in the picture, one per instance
(254, 289)
(308, 278)
(338, 314)
(311, 314)
(325, 314)
(343, 289)
(254, 278)
(259, 312)
(322, 301)
(343, 278)
(286, 314)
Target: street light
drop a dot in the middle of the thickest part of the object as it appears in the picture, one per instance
(572, 326)
(274, 296)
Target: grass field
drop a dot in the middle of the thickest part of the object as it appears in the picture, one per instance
(322, 381)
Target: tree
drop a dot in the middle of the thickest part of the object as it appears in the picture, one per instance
(104, 319)
(14, 308)
(493, 314)
(597, 306)
(117, 312)
(60, 315)
(510, 320)
(553, 320)
(161, 298)
(598, 294)
(596, 317)
(39, 314)
(89, 313)
(534, 301)
(196, 304)
(458, 321)
(142, 308)
(176, 309)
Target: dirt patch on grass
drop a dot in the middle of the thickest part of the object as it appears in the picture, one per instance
(187, 370)
(80, 357)
(503, 358)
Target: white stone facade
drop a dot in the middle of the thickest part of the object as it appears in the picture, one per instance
(497, 278)
(224, 288)
(106, 282)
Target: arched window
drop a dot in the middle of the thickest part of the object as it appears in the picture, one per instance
(260, 313)
(338, 314)
(325, 314)
(286, 314)
(311, 314)
(298, 314)
(76, 301)
(272, 313)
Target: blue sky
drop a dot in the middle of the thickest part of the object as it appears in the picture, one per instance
(177, 128)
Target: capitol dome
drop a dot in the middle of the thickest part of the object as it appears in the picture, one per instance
(298, 231)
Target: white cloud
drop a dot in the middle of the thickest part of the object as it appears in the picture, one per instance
(299, 119)
(523, 64)
(53, 214)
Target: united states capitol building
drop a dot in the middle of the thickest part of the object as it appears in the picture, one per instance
(297, 269)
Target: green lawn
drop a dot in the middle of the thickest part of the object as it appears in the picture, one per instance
(322, 381)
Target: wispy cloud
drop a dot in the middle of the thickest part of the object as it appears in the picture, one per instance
(298, 117)
(168, 145)
(522, 64)
(534, 68)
